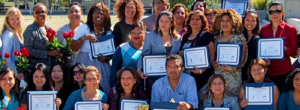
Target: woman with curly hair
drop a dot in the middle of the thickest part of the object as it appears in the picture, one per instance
(181, 13)
(228, 27)
(129, 12)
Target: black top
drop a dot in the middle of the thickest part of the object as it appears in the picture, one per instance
(252, 54)
(203, 38)
(168, 49)
(121, 32)
(64, 93)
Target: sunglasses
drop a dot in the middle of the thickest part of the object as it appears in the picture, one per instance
(272, 12)
(75, 73)
(40, 12)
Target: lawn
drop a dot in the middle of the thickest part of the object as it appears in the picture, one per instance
(55, 21)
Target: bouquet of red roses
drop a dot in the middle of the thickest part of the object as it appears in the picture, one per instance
(22, 63)
(54, 43)
(3, 61)
(68, 36)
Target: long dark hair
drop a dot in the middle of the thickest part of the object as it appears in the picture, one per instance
(263, 64)
(290, 79)
(256, 30)
(64, 70)
(173, 23)
(44, 69)
(14, 89)
(106, 22)
(136, 87)
(203, 19)
(81, 67)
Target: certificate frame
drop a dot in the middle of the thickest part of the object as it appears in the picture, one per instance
(163, 105)
(123, 101)
(244, 3)
(162, 73)
(186, 53)
(216, 108)
(269, 86)
(31, 94)
(271, 57)
(106, 38)
(85, 103)
(238, 46)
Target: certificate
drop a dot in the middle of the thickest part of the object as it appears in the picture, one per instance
(229, 53)
(163, 106)
(154, 65)
(239, 6)
(196, 57)
(88, 105)
(270, 48)
(259, 93)
(216, 108)
(41, 100)
(105, 46)
(130, 104)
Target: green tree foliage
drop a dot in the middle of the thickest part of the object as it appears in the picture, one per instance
(187, 3)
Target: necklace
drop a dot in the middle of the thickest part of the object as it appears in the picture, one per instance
(98, 32)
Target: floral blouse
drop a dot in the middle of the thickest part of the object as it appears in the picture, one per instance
(233, 77)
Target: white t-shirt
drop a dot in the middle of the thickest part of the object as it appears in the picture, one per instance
(83, 30)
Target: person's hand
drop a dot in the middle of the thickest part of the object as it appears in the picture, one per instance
(105, 106)
(268, 62)
(244, 103)
(215, 64)
(226, 68)
(184, 106)
(57, 102)
(180, 53)
(20, 76)
(103, 58)
(143, 76)
(53, 52)
(198, 71)
(90, 37)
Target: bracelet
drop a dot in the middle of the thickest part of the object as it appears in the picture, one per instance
(78, 41)
(82, 38)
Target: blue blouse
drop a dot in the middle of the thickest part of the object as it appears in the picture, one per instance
(287, 102)
(7, 105)
(76, 96)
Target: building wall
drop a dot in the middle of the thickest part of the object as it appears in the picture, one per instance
(292, 8)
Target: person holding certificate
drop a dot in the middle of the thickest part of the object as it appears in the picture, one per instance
(278, 28)
(9, 89)
(257, 73)
(128, 87)
(129, 12)
(127, 54)
(251, 32)
(97, 25)
(181, 13)
(39, 81)
(197, 36)
(289, 99)
(157, 7)
(164, 40)
(199, 5)
(228, 28)
(90, 92)
(218, 94)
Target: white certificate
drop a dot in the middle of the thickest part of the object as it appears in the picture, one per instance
(216, 108)
(41, 100)
(105, 48)
(129, 104)
(238, 6)
(271, 48)
(259, 95)
(88, 105)
(196, 57)
(229, 53)
(154, 65)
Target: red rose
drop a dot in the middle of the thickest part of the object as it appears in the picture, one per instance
(24, 50)
(71, 34)
(65, 35)
(3, 109)
(25, 54)
(17, 53)
(6, 55)
(20, 108)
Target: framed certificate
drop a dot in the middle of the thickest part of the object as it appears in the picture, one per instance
(154, 65)
(239, 6)
(270, 48)
(41, 100)
(216, 108)
(104, 46)
(259, 93)
(196, 57)
(229, 53)
(131, 104)
(88, 105)
(163, 106)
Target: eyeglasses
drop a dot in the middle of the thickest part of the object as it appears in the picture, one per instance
(272, 12)
(91, 79)
(256, 70)
(40, 12)
(75, 73)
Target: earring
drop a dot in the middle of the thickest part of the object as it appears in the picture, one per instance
(170, 31)
(220, 32)
(233, 31)
(158, 29)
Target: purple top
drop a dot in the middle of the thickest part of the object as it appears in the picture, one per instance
(183, 31)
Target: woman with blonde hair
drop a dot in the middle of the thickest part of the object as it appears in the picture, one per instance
(11, 35)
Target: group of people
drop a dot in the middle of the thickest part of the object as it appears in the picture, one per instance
(110, 78)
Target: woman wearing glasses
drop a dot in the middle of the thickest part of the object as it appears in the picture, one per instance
(75, 17)
(129, 12)
(35, 39)
(97, 25)
(90, 92)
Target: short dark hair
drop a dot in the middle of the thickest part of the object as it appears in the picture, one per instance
(77, 4)
(174, 57)
(289, 81)
(275, 3)
(39, 4)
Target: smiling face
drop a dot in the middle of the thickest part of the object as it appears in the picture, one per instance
(258, 73)
(160, 6)
(127, 80)
(40, 15)
(7, 82)
(199, 6)
(98, 17)
(14, 20)
(77, 74)
(91, 80)
(130, 10)
(210, 19)
(137, 36)
(277, 17)
(250, 21)
(39, 79)
(180, 15)
(75, 14)
(217, 86)
(164, 23)
(196, 22)
(57, 74)
(296, 82)
(226, 24)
